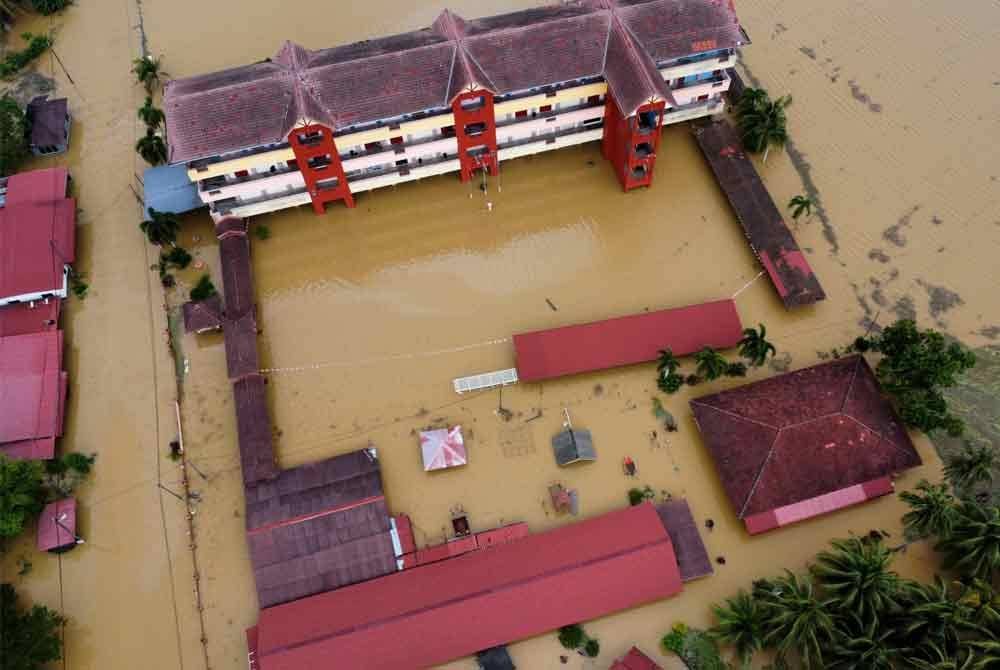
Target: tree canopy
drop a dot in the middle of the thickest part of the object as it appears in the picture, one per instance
(13, 136)
(29, 639)
(22, 495)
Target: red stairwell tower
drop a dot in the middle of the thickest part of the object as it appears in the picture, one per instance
(319, 162)
(630, 144)
(476, 132)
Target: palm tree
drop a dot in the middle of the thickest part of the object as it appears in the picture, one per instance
(667, 378)
(765, 125)
(932, 511)
(933, 618)
(740, 624)
(973, 546)
(800, 204)
(752, 99)
(150, 115)
(973, 466)
(857, 579)
(161, 228)
(862, 645)
(754, 346)
(794, 619)
(147, 71)
(711, 364)
(152, 148)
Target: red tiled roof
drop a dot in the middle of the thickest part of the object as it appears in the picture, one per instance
(635, 660)
(626, 340)
(52, 535)
(431, 614)
(31, 386)
(692, 556)
(802, 435)
(421, 70)
(37, 233)
(253, 426)
(318, 527)
(26, 318)
(202, 315)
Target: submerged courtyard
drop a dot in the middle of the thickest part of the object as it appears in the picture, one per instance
(367, 315)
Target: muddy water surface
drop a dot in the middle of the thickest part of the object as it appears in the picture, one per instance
(368, 314)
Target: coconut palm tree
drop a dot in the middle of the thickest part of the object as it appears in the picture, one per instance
(752, 99)
(856, 578)
(754, 346)
(973, 545)
(795, 620)
(858, 644)
(740, 624)
(150, 115)
(765, 125)
(974, 465)
(147, 71)
(711, 364)
(152, 148)
(932, 510)
(161, 228)
(800, 204)
(667, 378)
(936, 658)
(932, 617)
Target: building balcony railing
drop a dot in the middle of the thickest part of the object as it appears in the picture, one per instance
(544, 137)
(221, 182)
(549, 114)
(715, 80)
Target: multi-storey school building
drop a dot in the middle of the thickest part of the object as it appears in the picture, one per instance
(461, 96)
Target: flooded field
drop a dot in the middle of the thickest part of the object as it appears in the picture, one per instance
(368, 314)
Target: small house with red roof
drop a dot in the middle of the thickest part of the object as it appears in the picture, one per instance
(804, 443)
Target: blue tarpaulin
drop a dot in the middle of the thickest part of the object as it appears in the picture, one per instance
(168, 189)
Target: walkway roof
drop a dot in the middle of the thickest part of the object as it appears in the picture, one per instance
(803, 435)
(626, 340)
(431, 614)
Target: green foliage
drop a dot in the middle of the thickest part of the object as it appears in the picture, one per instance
(855, 577)
(973, 545)
(262, 231)
(638, 496)
(63, 475)
(859, 644)
(592, 648)
(152, 148)
(29, 639)
(800, 204)
(161, 228)
(736, 370)
(711, 364)
(572, 636)
(13, 136)
(47, 7)
(973, 466)
(754, 346)
(147, 72)
(150, 115)
(77, 284)
(795, 619)
(667, 378)
(762, 121)
(15, 60)
(932, 510)
(692, 380)
(740, 624)
(696, 648)
(22, 495)
(915, 365)
(204, 289)
(177, 257)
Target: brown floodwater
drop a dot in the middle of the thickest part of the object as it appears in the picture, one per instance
(368, 314)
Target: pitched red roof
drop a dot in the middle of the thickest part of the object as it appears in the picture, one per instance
(802, 435)
(635, 660)
(202, 315)
(318, 527)
(692, 556)
(37, 233)
(626, 340)
(431, 614)
(26, 318)
(52, 535)
(253, 429)
(32, 386)
(425, 69)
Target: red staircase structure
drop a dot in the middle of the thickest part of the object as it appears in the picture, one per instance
(476, 132)
(631, 143)
(319, 161)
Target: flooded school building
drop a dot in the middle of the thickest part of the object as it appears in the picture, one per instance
(315, 127)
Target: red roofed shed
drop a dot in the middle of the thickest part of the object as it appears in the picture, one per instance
(635, 660)
(37, 235)
(57, 526)
(804, 443)
(32, 394)
(26, 318)
(431, 614)
(626, 340)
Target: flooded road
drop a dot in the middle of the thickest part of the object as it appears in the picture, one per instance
(368, 314)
